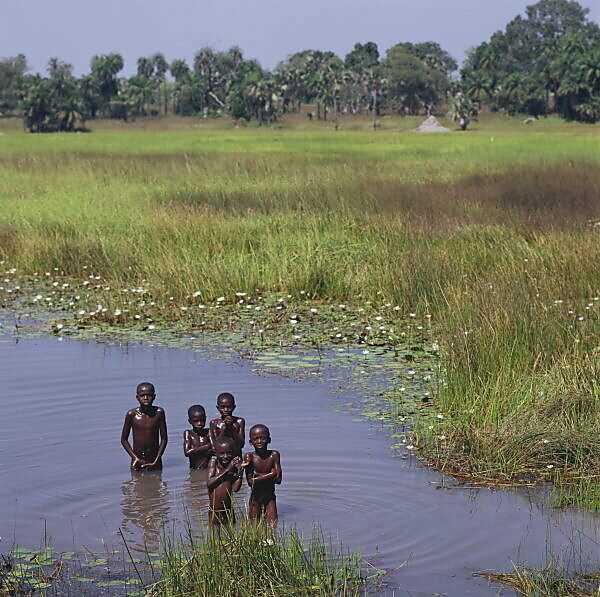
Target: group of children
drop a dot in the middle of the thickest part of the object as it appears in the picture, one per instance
(218, 448)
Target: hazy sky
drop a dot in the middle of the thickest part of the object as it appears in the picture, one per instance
(268, 30)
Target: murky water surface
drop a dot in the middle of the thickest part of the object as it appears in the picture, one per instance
(64, 473)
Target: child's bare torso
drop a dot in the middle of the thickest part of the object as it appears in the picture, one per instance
(193, 439)
(262, 465)
(145, 428)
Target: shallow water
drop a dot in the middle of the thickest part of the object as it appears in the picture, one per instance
(63, 472)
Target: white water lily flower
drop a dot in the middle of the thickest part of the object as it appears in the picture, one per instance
(197, 293)
(151, 327)
(313, 310)
(366, 351)
(549, 466)
(293, 321)
(412, 314)
(440, 416)
(118, 312)
(220, 299)
(410, 447)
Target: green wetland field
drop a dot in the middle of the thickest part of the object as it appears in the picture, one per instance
(489, 237)
(485, 242)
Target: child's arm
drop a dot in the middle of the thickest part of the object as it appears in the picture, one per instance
(249, 469)
(215, 430)
(240, 432)
(162, 430)
(125, 436)
(274, 474)
(214, 479)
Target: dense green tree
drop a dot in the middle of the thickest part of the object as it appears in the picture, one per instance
(103, 81)
(576, 68)
(412, 84)
(520, 68)
(52, 103)
(362, 57)
(432, 54)
(11, 75)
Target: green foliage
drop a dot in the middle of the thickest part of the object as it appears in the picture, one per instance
(432, 54)
(52, 103)
(411, 83)
(546, 60)
(254, 560)
(11, 74)
(362, 57)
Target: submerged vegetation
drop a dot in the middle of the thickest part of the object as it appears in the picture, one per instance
(490, 240)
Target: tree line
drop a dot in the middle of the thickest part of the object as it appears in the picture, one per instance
(547, 61)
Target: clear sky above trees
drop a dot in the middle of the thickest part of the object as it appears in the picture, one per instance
(268, 30)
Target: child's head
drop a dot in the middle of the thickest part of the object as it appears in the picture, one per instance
(260, 437)
(225, 450)
(145, 393)
(197, 416)
(225, 404)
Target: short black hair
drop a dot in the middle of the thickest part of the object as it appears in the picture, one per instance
(196, 408)
(259, 426)
(146, 384)
(226, 396)
(225, 441)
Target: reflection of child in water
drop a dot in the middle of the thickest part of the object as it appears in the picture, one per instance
(148, 423)
(196, 441)
(263, 471)
(224, 478)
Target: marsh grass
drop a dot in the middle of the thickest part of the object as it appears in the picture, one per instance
(496, 238)
(254, 560)
(548, 582)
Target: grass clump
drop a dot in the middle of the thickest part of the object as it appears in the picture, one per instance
(253, 560)
(547, 582)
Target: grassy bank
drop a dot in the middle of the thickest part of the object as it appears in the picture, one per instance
(494, 237)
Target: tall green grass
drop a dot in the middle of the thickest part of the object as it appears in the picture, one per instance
(496, 237)
(252, 560)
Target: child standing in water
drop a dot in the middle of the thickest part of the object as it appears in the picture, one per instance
(263, 472)
(196, 441)
(149, 427)
(228, 425)
(224, 478)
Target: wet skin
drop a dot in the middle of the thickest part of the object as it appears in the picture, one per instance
(228, 425)
(263, 472)
(224, 478)
(149, 427)
(196, 442)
